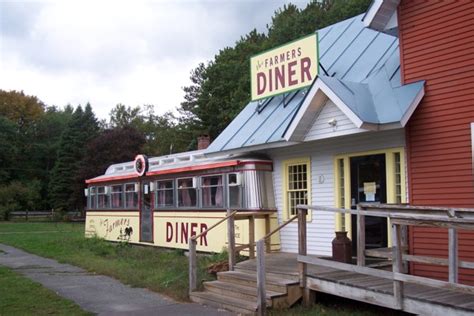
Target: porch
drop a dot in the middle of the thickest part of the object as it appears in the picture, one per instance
(280, 279)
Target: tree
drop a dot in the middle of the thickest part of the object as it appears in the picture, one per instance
(122, 116)
(8, 150)
(66, 185)
(20, 108)
(19, 196)
(221, 88)
(112, 146)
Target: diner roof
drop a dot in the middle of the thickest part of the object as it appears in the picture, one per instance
(361, 76)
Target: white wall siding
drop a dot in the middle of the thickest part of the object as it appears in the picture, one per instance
(321, 228)
(321, 129)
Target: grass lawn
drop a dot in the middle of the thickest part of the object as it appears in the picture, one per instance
(20, 296)
(160, 270)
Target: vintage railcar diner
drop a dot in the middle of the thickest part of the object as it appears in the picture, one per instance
(163, 201)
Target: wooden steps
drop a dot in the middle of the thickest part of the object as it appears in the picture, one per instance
(237, 291)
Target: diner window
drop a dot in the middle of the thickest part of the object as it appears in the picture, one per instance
(212, 191)
(116, 196)
(165, 193)
(92, 198)
(102, 197)
(235, 190)
(297, 184)
(131, 196)
(187, 193)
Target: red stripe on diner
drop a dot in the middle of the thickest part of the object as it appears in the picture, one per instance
(112, 178)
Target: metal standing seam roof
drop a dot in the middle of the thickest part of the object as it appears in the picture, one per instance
(363, 70)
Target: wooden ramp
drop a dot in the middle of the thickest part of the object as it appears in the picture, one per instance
(418, 299)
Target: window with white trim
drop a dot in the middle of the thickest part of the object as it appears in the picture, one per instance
(131, 195)
(297, 188)
(102, 197)
(235, 190)
(187, 192)
(212, 190)
(165, 193)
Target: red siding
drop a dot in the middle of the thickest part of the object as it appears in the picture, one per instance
(436, 45)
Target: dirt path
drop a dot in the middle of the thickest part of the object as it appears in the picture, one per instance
(96, 293)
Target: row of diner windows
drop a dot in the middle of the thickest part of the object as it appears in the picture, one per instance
(216, 191)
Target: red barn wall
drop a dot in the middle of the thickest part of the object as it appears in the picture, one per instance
(436, 45)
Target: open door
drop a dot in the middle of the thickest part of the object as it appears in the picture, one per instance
(369, 184)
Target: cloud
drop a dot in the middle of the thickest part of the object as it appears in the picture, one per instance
(109, 52)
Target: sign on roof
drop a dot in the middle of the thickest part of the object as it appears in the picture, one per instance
(285, 68)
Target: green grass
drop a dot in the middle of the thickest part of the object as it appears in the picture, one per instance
(160, 270)
(20, 296)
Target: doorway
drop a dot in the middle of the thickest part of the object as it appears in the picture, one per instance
(369, 184)
(146, 214)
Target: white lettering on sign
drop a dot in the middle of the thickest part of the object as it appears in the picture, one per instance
(288, 67)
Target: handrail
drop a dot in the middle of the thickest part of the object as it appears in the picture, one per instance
(213, 226)
(261, 277)
(402, 216)
(279, 228)
(232, 249)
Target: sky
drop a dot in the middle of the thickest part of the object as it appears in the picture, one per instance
(109, 52)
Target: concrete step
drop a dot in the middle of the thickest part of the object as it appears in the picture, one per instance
(250, 279)
(232, 304)
(247, 293)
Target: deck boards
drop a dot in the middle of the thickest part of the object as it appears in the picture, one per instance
(285, 263)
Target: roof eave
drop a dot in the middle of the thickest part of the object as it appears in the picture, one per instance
(247, 149)
(412, 107)
(381, 16)
(319, 86)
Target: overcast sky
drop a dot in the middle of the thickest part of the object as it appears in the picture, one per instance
(109, 52)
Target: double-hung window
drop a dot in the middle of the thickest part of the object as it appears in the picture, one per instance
(92, 198)
(131, 196)
(187, 192)
(235, 190)
(212, 191)
(297, 184)
(165, 193)
(102, 197)
(116, 196)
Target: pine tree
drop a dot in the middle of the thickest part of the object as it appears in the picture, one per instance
(66, 187)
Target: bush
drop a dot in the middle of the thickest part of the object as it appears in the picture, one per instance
(18, 196)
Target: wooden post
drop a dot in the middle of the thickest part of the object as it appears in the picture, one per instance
(397, 265)
(453, 255)
(268, 245)
(192, 265)
(360, 238)
(405, 247)
(231, 241)
(302, 246)
(251, 237)
(261, 286)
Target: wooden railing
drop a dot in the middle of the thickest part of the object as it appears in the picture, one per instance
(401, 216)
(231, 217)
(263, 247)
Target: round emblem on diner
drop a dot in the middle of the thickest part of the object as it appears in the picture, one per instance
(141, 164)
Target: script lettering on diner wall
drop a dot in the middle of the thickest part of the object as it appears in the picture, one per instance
(288, 67)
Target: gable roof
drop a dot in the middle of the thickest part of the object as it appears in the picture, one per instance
(363, 79)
